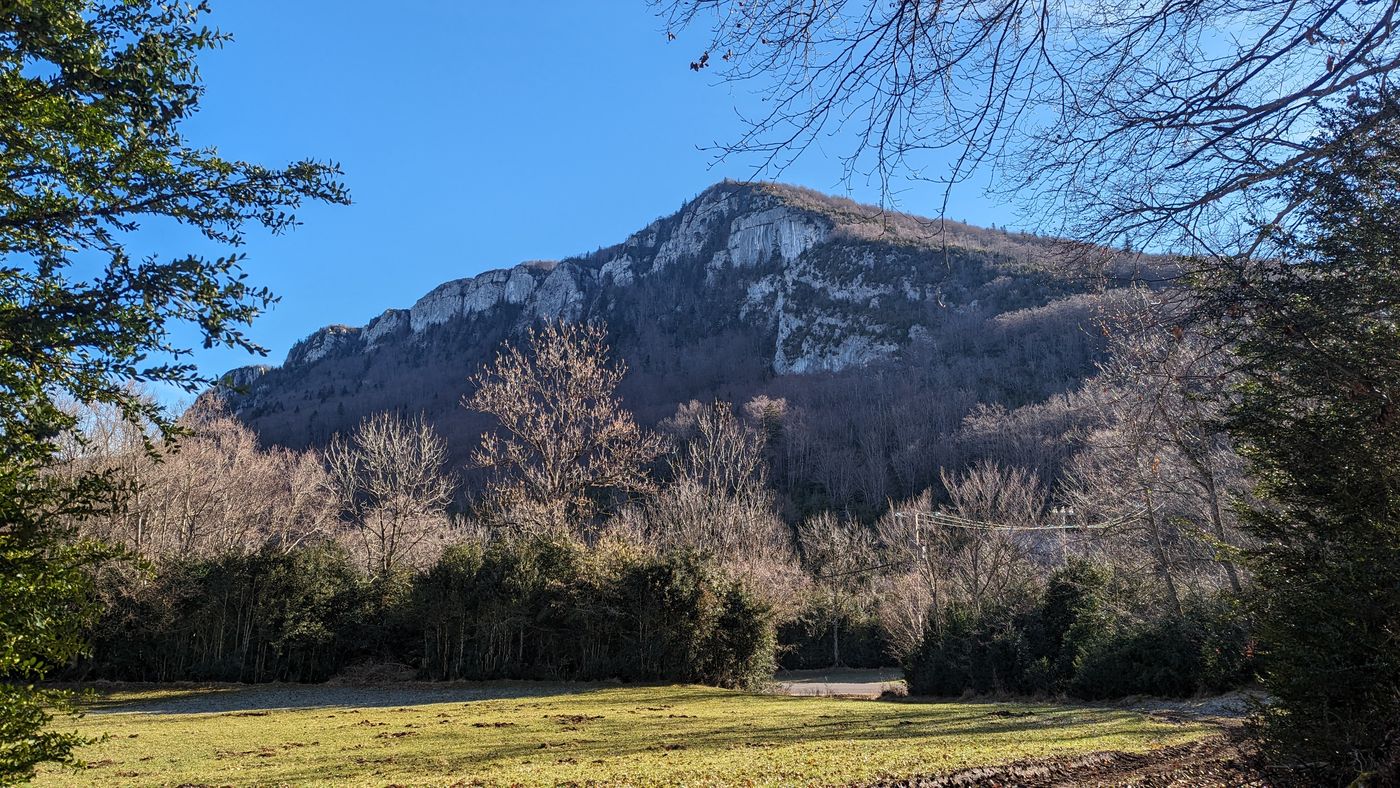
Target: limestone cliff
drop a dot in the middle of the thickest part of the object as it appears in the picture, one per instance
(817, 306)
(745, 286)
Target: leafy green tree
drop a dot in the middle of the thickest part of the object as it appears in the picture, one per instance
(43, 602)
(1318, 418)
(92, 97)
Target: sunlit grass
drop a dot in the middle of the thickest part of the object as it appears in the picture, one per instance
(624, 734)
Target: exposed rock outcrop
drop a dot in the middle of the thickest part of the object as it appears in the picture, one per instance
(241, 378)
(393, 323)
(728, 227)
(747, 282)
(321, 344)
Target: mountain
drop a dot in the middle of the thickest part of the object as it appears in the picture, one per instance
(876, 334)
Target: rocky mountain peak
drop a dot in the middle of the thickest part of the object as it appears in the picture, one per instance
(730, 225)
(746, 282)
(861, 321)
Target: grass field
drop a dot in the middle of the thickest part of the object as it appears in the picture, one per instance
(545, 735)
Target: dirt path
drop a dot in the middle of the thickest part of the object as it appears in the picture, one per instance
(840, 682)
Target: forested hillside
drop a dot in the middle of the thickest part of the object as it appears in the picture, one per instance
(877, 347)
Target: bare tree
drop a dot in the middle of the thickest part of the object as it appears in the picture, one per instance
(390, 481)
(717, 501)
(932, 564)
(1126, 120)
(564, 438)
(299, 508)
(718, 498)
(214, 492)
(990, 563)
(841, 555)
(109, 444)
(917, 582)
(717, 450)
(1177, 384)
(1120, 478)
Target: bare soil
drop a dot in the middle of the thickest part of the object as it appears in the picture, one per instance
(1222, 760)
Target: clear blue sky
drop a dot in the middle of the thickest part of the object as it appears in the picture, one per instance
(473, 136)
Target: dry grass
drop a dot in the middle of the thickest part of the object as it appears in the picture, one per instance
(543, 735)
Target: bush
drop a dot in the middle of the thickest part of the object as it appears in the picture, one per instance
(1150, 658)
(1065, 641)
(1208, 649)
(548, 609)
(740, 649)
(512, 610)
(805, 642)
(964, 652)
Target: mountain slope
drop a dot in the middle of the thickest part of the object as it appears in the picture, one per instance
(846, 313)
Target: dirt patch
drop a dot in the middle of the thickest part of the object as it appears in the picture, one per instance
(1230, 707)
(1223, 760)
(573, 719)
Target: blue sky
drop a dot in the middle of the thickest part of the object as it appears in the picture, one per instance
(473, 136)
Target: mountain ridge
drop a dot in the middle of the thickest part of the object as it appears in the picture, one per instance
(843, 312)
(551, 288)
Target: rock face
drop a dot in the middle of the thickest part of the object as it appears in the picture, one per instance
(746, 283)
(393, 323)
(242, 378)
(323, 343)
(727, 228)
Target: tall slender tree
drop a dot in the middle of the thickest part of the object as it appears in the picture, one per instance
(1319, 348)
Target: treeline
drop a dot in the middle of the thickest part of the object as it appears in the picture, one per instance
(1000, 332)
(601, 549)
(513, 609)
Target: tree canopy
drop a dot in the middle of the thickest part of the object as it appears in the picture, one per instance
(1151, 121)
(92, 97)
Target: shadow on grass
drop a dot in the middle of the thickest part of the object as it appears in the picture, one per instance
(925, 726)
(235, 698)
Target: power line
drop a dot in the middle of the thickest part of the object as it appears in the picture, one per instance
(865, 569)
(954, 521)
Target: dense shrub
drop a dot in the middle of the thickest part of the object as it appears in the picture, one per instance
(549, 609)
(505, 611)
(1206, 650)
(1065, 640)
(269, 616)
(1149, 658)
(963, 652)
(537, 609)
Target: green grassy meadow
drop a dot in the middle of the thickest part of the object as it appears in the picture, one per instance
(635, 735)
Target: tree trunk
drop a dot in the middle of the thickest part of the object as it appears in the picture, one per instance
(1159, 547)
